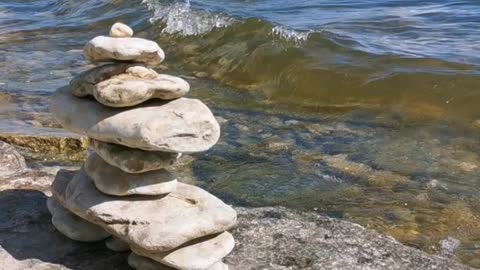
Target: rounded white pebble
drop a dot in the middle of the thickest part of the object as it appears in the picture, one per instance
(120, 30)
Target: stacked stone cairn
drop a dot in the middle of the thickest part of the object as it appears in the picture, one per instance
(139, 124)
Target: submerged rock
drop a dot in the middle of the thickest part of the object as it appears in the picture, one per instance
(73, 226)
(181, 216)
(182, 125)
(105, 49)
(120, 30)
(133, 160)
(449, 246)
(113, 181)
(55, 147)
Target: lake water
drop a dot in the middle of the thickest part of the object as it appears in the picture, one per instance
(364, 110)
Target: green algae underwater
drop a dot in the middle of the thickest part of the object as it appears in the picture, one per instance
(310, 120)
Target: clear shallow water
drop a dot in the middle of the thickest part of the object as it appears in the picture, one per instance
(320, 114)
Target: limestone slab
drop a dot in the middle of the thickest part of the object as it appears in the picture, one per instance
(73, 226)
(182, 125)
(151, 223)
(106, 49)
(199, 254)
(113, 181)
(133, 160)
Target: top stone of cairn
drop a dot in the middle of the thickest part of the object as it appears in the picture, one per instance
(121, 46)
(119, 30)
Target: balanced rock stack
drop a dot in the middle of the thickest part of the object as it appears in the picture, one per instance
(139, 124)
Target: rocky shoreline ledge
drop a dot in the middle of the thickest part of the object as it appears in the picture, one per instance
(268, 238)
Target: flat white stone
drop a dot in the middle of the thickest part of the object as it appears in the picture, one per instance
(151, 223)
(133, 160)
(106, 49)
(120, 30)
(73, 226)
(137, 85)
(181, 126)
(143, 263)
(196, 255)
(113, 181)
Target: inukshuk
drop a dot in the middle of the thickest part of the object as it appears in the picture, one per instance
(139, 124)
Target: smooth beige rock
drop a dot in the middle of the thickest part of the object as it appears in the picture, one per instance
(116, 245)
(137, 85)
(83, 84)
(120, 30)
(113, 181)
(125, 85)
(199, 254)
(182, 125)
(143, 263)
(73, 226)
(133, 160)
(151, 223)
(105, 49)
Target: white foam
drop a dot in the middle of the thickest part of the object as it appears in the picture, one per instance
(180, 18)
(292, 35)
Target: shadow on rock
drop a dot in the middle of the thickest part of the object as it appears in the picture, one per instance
(29, 241)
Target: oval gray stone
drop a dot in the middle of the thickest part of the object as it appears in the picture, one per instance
(131, 160)
(196, 255)
(143, 263)
(107, 49)
(73, 226)
(151, 223)
(137, 85)
(113, 181)
(181, 126)
(83, 84)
